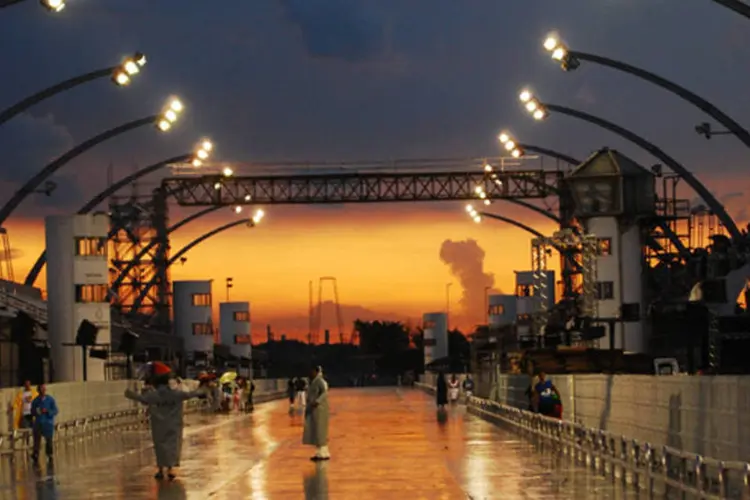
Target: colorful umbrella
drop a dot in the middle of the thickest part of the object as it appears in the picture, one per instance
(228, 378)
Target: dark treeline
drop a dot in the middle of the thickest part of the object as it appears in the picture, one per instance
(385, 351)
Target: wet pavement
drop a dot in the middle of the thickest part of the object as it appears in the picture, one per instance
(386, 444)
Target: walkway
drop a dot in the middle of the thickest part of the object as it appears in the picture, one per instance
(386, 444)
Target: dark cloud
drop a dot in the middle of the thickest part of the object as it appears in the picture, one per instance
(29, 143)
(466, 262)
(338, 29)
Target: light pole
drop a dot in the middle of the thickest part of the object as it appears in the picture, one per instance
(163, 121)
(249, 222)
(448, 305)
(229, 286)
(571, 59)
(737, 6)
(121, 76)
(202, 151)
(50, 5)
(540, 111)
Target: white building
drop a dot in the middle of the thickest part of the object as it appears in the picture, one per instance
(77, 286)
(528, 302)
(435, 326)
(613, 195)
(235, 328)
(193, 316)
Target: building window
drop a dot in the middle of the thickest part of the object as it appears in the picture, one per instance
(91, 293)
(202, 329)
(242, 316)
(605, 290)
(604, 246)
(201, 299)
(91, 247)
(523, 318)
(497, 310)
(525, 291)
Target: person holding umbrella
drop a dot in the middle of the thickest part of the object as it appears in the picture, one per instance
(165, 406)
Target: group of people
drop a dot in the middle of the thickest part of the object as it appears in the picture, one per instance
(451, 390)
(544, 398)
(36, 410)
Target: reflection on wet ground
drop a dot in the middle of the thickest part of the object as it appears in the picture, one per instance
(386, 444)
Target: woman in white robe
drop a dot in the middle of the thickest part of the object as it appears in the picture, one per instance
(316, 416)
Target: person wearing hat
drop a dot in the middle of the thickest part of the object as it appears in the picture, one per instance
(165, 406)
(316, 415)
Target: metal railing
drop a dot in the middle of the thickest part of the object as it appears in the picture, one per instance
(655, 469)
(21, 439)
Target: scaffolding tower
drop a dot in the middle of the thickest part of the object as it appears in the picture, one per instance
(319, 313)
(6, 258)
(541, 293)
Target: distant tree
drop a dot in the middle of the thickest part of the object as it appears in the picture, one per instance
(382, 337)
(458, 345)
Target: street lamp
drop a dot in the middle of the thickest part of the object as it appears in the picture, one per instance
(202, 146)
(540, 111)
(121, 75)
(168, 115)
(229, 286)
(251, 222)
(50, 5)
(571, 59)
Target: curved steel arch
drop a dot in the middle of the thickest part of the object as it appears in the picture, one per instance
(190, 218)
(187, 248)
(737, 6)
(673, 164)
(93, 202)
(40, 96)
(53, 167)
(694, 99)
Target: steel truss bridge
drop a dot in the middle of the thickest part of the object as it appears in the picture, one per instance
(140, 231)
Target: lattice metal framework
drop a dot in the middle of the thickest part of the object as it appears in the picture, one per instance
(539, 250)
(136, 223)
(358, 187)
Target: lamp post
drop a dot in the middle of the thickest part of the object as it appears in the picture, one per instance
(203, 149)
(229, 286)
(571, 59)
(50, 5)
(163, 121)
(121, 75)
(448, 305)
(737, 6)
(250, 222)
(540, 111)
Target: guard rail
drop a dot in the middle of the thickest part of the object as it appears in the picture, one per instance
(20, 439)
(655, 469)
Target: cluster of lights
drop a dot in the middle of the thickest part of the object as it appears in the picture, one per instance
(128, 69)
(559, 52)
(533, 105)
(473, 214)
(203, 151)
(258, 216)
(170, 115)
(238, 208)
(53, 5)
(510, 145)
(481, 193)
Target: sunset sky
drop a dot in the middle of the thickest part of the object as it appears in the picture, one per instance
(350, 79)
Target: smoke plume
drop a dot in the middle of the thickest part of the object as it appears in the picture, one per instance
(466, 261)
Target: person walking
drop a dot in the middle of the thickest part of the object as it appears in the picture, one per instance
(44, 410)
(165, 406)
(301, 389)
(291, 392)
(22, 407)
(441, 391)
(316, 416)
(454, 389)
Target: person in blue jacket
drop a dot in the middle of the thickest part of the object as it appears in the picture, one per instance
(546, 396)
(44, 411)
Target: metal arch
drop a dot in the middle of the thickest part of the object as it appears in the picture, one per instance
(531, 230)
(694, 99)
(25, 104)
(187, 248)
(358, 187)
(737, 6)
(551, 153)
(53, 167)
(8, 3)
(673, 164)
(93, 202)
(190, 218)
